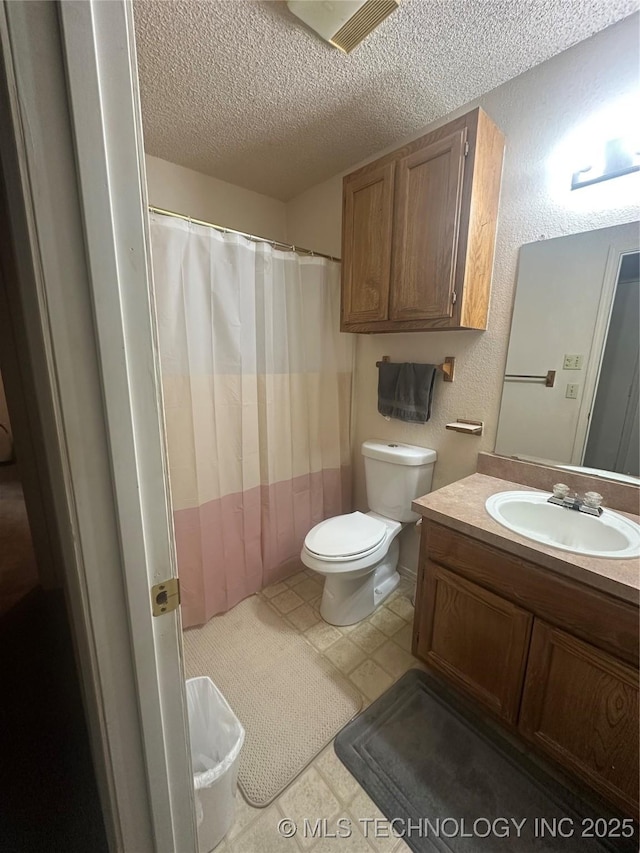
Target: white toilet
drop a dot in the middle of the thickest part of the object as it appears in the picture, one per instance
(358, 553)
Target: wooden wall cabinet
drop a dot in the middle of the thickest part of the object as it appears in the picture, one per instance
(419, 229)
(554, 660)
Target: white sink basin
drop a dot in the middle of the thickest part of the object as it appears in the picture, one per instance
(528, 513)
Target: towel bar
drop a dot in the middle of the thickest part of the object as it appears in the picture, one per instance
(549, 378)
(447, 367)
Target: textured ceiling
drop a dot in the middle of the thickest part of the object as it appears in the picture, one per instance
(243, 91)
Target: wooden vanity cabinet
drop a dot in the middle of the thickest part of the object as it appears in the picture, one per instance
(419, 229)
(554, 660)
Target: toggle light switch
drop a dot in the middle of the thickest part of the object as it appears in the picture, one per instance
(572, 391)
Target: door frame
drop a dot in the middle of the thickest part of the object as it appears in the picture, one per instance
(601, 329)
(73, 165)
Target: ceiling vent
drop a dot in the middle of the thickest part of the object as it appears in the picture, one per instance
(343, 23)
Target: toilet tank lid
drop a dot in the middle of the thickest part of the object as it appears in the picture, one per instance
(400, 454)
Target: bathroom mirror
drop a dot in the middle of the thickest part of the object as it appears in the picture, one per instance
(570, 393)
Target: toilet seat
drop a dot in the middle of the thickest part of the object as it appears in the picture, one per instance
(353, 565)
(346, 537)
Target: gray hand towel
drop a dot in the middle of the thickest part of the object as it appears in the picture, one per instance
(405, 391)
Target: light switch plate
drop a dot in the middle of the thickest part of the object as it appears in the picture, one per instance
(573, 362)
(572, 391)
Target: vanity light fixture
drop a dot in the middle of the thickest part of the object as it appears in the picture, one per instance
(620, 157)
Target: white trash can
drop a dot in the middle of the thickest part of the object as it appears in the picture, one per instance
(216, 736)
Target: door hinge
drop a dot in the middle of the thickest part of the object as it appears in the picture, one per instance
(454, 297)
(466, 148)
(165, 596)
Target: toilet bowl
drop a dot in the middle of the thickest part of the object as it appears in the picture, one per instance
(358, 552)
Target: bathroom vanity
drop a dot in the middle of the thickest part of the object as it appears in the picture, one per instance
(545, 640)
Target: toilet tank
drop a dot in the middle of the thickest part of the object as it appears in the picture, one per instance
(395, 475)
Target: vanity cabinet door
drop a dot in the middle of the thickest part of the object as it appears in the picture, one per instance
(580, 706)
(366, 245)
(476, 639)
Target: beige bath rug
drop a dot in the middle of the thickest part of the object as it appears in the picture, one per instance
(291, 700)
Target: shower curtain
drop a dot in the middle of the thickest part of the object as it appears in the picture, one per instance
(257, 396)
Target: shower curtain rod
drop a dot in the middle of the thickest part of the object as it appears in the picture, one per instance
(277, 244)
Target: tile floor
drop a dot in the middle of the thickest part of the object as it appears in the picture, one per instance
(372, 655)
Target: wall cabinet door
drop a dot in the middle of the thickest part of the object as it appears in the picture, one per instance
(427, 218)
(475, 638)
(580, 705)
(366, 250)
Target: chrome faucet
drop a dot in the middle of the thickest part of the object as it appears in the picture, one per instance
(590, 503)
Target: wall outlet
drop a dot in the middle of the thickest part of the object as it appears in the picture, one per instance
(572, 391)
(573, 362)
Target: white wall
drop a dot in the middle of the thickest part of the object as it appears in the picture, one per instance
(540, 112)
(560, 283)
(181, 190)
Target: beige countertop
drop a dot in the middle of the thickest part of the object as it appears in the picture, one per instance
(460, 506)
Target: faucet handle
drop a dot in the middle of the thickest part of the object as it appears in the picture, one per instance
(593, 499)
(560, 491)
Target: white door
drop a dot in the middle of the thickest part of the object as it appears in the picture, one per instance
(72, 164)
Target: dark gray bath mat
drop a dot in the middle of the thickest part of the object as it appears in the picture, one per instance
(421, 753)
